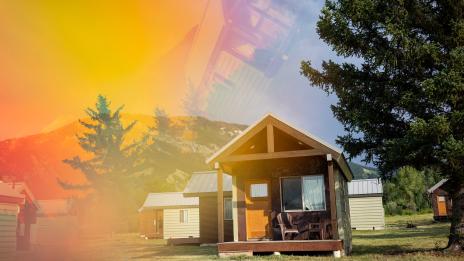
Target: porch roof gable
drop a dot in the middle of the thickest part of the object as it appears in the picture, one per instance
(319, 146)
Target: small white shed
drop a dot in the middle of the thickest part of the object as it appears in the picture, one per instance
(366, 207)
(179, 219)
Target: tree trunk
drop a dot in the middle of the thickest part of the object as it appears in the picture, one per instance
(456, 237)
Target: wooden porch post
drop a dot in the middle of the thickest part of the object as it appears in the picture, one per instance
(333, 202)
(220, 205)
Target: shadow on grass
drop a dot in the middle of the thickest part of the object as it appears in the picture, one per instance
(172, 251)
(394, 249)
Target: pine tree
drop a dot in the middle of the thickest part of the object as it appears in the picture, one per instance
(112, 161)
(402, 103)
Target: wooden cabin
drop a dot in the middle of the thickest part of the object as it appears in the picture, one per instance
(27, 216)
(10, 204)
(366, 206)
(204, 186)
(441, 201)
(57, 223)
(280, 171)
(170, 216)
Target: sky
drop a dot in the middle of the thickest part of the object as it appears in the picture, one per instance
(239, 60)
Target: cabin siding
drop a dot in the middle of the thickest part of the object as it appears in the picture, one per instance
(174, 229)
(367, 213)
(440, 192)
(56, 230)
(8, 225)
(209, 224)
(343, 210)
(274, 170)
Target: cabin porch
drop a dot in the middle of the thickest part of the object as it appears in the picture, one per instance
(248, 248)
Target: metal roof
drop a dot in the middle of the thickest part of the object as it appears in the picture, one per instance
(52, 207)
(8, 191)
(168, 200)
(434, 187)
(359, 187)
(206, 182)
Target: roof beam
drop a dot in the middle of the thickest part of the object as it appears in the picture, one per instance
(274, 155)
(270, 138)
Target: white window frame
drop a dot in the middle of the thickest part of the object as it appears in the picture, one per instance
(302, 194)
(231, 209)
(185, 214)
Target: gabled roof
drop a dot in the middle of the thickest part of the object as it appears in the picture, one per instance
(365, 187)
(206, 182)
(22, 188)
(53, 207)
(168, 200)
(436, 186)
(9, 195)
(319, 146)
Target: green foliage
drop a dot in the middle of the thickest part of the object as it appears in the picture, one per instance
(111, 163)
(162, 121)
(363, 172)
(404, 103)
(406, 192)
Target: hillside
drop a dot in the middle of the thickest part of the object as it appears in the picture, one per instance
(363, 172)
(38, 159)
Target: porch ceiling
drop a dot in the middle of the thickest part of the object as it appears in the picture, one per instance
(311, 145)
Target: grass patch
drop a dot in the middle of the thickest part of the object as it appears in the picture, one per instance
(395, 243)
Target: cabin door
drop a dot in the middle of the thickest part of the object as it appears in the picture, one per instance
(158, 223)
(258, 209)
(441, 202)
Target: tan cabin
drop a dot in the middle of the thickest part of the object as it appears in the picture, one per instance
(170, 216)
(289, 192)
(442, 204)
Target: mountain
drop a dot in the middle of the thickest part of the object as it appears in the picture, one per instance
(363, 172)
(38, 159)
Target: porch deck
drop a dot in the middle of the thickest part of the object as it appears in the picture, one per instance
(250, 247)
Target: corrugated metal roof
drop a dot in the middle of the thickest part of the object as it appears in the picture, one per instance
(168, 199)
(51, 207)
(439, 184)
(7, 190)
(206, 182)
(365, 187)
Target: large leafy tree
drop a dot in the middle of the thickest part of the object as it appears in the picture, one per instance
(402, 99)
(109, 162)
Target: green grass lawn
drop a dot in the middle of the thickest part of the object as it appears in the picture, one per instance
(395, 243)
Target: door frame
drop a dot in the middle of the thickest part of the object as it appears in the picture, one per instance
(247, 191)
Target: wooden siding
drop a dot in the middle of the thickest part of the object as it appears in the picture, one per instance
(275, 170)
(441, 192)
(343, 210)
(8, 224)
(279, 246)
(209, 224)
(367, 213)
(55, 230)
(174, 229)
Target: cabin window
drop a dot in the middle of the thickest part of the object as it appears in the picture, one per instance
(258, 190)
(305, 193)
(441, 198)
(227, 209)
(184, 216)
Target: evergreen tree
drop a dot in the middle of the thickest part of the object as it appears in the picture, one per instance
(111, 160)
(162, 121)
(403, 104)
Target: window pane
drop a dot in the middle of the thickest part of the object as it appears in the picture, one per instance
(291, 193)
(183, 216)
(314, 193)
(258, 190)
(228, 209)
